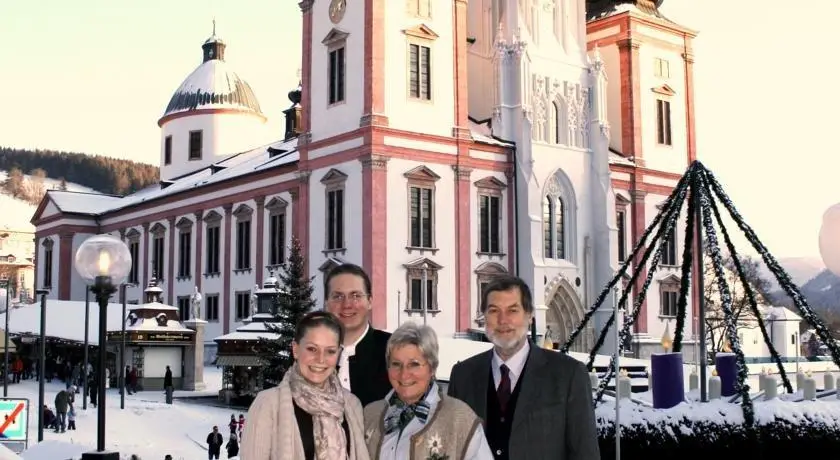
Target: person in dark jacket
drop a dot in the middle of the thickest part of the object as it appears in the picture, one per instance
(214, 443)
(62, 403)
(167, 385)
(232, 446)
(361, 367)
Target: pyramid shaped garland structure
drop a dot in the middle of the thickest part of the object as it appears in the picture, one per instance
(705, 198)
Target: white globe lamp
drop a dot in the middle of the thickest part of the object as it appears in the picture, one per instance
(830, 239)
(104, 262)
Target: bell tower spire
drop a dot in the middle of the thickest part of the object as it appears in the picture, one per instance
(213, 47)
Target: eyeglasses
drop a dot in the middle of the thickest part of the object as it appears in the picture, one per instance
(411, 366)
(353, 297)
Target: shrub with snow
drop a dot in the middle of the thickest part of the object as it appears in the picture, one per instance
(783, 430)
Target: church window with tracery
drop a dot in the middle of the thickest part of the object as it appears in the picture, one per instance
(553, 227)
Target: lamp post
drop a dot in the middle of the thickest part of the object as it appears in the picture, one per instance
(6, 344)
(104, 261)
(122, 351)
(42, 361)
(87, 345)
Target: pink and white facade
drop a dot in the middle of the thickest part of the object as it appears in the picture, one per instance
(481, 145)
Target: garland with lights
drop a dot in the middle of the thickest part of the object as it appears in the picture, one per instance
(742, 388)
(781, 275)
(633, 254)
(748, 290)
(671, 217)
(702, 189)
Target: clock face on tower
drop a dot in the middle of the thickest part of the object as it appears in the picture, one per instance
(337, 9)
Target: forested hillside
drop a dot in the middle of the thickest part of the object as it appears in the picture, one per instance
(104, 174)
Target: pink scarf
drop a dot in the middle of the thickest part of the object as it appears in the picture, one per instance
(326, 406)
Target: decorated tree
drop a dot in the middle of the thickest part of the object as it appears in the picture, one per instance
(290, 305)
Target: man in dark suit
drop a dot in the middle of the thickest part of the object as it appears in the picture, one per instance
(361, 368)
(536, 403)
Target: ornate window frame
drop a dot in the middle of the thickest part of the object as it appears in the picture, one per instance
(277, 207)
(414, 271)
(244, 261)
(423, 178)
(335, 180)
(491, 187)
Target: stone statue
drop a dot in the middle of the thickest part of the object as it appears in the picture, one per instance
(253, 300)
(196, 304)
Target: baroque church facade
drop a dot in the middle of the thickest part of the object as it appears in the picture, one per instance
(435, 143)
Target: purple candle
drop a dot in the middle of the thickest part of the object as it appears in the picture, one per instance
(727, 369)
(667, 377)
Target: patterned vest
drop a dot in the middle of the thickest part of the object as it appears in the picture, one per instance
(447, 432)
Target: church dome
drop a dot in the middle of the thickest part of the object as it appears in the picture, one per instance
(213, 85)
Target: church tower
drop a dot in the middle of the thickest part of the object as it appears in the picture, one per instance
(391, 165)
(648, 61)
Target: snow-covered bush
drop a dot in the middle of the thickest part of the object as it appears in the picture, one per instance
(715, 430)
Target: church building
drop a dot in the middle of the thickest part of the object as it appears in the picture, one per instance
(437, 143)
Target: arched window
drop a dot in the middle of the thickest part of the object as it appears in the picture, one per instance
(554, 232)
(559, 209)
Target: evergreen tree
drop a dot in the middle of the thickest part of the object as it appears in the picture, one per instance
(293, 304)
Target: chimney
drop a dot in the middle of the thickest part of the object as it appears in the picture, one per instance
(293, 114)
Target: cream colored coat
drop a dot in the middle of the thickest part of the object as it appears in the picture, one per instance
(271, 431)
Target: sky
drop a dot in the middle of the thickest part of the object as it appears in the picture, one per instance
(94, 76)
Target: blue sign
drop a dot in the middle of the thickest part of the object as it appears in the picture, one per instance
(14, 419)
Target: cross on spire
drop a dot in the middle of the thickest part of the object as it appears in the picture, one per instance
(214, 26)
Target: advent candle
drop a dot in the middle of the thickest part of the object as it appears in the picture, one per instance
(668, 381)
(771, 387)
(650, 379)
(800, 379)
(624, 385)
(714, 386)
(809, 388)
(828, 381)
(593, 380)
(727, 369)
(693, 381)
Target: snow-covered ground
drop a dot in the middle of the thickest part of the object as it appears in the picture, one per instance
(146, 427)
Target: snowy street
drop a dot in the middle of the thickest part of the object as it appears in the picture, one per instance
(147, 427)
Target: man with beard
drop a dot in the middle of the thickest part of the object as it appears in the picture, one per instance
(536, 403)
(361, 368)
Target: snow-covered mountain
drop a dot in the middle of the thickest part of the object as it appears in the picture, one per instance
(15, 214)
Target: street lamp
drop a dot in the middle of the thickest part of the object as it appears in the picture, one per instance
(6, 344)
(42, 358)
(104, 261)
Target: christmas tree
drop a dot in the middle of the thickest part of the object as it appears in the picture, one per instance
(294, 301)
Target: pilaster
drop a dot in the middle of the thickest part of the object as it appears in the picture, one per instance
(463, 241)
(170, 268)
(226, 270)
(198, 250)
(259, 245)
(375, 231)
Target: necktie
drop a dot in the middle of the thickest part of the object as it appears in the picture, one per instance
(503, 392)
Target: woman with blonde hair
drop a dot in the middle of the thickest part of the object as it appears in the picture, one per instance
(416, 420)
(309, 416)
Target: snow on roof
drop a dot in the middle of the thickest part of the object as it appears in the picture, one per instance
(482, 132)
(780, 314)
(238, 335)
(213, 85)
(616, 159)
(151, 325)
(66, 320)
(258, 159)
